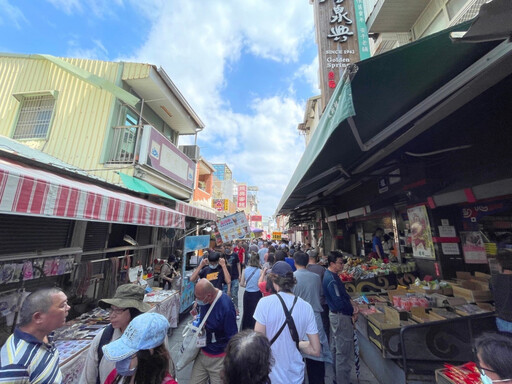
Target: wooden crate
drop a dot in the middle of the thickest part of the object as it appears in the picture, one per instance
(473, 292)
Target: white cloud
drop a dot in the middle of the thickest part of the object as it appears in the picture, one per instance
(99, 8)
(95, 52)
(11, 14)
(309, 72)
(196, 42)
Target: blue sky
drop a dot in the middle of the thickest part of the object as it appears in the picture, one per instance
(246, 67)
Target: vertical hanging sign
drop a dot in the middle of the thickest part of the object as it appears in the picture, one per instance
(342, 40)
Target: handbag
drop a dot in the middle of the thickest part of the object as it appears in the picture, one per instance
(189, 349)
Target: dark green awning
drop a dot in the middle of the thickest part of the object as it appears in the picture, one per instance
(387, 95)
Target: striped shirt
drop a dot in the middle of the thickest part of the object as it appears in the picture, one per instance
(25, 360)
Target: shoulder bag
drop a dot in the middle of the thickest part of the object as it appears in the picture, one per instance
(289, 321)
(189, 348)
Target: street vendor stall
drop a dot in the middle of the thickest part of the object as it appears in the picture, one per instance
(405, 334)
(74, 338)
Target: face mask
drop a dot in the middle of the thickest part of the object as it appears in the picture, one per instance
(123, 367)
(214, 266)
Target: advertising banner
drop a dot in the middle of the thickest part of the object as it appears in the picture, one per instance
(276, 236)
(256, 218)
(473, 247)
(421, 234)
(218, 204)
(233, 227)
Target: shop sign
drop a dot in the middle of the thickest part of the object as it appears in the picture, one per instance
(383, 185)
(446, 231)
(450, 248)
(256, 218)
(473, 247)
(421, 234)
(342, 40)
(471, 214)
(276, 236)
(242, 196)
(218, 204)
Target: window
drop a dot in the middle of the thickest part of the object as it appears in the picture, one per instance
(454, 6)
(34, 117)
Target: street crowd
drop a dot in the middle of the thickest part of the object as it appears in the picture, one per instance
(296, 320)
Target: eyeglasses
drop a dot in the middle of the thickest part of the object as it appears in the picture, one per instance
(482, 371)
(116, 311)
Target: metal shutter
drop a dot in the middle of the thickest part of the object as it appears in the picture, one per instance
(28, 234)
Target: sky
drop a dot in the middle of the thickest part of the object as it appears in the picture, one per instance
(246, 67)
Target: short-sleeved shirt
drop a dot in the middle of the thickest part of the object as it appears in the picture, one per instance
(25, 359)
(251, 285)
(233, 261)
(220, 325)
(320, 271)
(289, 366)
(308, 287)
(377, 243)
(214, 276)
(262, 252)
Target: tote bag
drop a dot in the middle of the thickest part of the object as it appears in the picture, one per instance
(189, 349)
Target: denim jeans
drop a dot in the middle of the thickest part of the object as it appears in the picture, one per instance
(234, 292)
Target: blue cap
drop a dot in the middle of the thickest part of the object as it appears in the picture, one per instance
(145, 331)
(281, 268)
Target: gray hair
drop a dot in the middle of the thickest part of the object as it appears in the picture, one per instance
(38, 301)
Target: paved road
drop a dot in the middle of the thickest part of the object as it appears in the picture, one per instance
(183, 376)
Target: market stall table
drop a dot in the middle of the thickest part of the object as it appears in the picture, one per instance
(74, 339)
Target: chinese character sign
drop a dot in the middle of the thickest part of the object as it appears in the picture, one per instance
(242, 196)
(342, 40)
(233, 227)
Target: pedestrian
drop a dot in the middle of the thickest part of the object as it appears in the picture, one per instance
(494, 353)
(314, 267)
(501, 289)
(220, 327)
(233, 263)
(252, 293)
(309, 288)
(248, 359)
(262, 252)
(127, 304)
(341, 311)
(377, 243)
(28, 355)
(214, 270)
(140, 354)
(272, 321)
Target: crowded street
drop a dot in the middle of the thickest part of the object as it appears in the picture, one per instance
(256, 192)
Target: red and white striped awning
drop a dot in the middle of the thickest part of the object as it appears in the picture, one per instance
(29, 191)
(193, 211)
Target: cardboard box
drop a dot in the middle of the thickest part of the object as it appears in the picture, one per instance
(445, 313)
(420, 289)
(470, 309)
(472, 291)
(461, 275)
(482, 276)
(398, 292)
(421, 316)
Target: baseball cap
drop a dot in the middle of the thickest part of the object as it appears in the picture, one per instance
(281, 268)
(145, 331)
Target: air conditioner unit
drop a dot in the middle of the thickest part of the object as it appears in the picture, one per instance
(192, 151)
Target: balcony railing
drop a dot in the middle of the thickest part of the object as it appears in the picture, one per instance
(122, 149)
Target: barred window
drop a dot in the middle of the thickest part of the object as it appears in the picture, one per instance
(34, 118)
